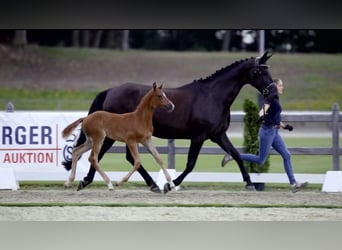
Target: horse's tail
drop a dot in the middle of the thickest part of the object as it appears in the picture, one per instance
(68, 129)
(96, 105)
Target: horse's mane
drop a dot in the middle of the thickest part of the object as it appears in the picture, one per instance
(223, 70)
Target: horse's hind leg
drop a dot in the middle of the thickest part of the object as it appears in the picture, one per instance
(223, 141)
(133, 148)
(76, 154)
(93, 159)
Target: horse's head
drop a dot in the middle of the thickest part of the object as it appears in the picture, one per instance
(160, 99)
(259, 75)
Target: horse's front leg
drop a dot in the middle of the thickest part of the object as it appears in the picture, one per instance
(223, 141)
(195, 148)
(152, 149)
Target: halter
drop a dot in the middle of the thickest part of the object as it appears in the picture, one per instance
(265, 90)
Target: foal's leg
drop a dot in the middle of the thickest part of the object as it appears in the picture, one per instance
(133, 148)
(76, 153)
(93, 159)
(107, 144)
(142, 171)
(152, 149)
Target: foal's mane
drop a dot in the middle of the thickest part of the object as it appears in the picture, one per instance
(223, 70)
(144, 99)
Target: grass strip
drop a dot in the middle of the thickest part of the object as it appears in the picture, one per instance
(139, 185)
(182, 205)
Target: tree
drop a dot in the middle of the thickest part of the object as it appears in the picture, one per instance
(125, 40)
(97, 39)
(117, 39)
(20, 38)
(85, 38)
(81, 38)
(76, 38)
(226, 41)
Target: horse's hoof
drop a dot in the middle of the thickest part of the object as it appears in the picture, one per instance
(82, 184)
(67, 185)
(67, 165)
(250, 187)
(155, 189)
(167, 188)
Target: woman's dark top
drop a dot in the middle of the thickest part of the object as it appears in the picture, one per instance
(273, 115)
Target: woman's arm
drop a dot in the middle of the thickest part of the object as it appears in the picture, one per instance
(282, 125)
(264, 109)
(286, 126)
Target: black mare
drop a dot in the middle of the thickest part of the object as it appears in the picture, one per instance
(202, 111)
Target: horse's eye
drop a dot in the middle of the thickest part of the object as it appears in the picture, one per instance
(257, 71)
(263, 68)
(261, 71)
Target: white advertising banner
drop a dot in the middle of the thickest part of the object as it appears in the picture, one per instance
(32, 139)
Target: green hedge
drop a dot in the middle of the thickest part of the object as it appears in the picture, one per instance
(251, 130)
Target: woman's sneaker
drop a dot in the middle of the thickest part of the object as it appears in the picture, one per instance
(298, 187)
(227, 158)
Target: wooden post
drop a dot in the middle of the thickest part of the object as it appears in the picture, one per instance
(171, 154)
(335, 136)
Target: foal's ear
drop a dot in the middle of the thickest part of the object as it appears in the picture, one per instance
(154, 85)
(161, 86)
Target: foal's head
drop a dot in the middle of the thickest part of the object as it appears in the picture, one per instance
(158, 98)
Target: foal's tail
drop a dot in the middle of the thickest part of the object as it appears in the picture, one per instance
(68, 129)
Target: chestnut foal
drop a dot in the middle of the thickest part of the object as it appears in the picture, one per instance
(132, 128)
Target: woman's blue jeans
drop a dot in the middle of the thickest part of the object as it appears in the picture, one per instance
(269, 136)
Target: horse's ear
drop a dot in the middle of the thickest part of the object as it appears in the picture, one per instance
(161, 86)
(263, 59)
(154, 85)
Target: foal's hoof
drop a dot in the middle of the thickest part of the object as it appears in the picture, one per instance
(250, 187)
(155, 189)
(82, 184)
(67, 185)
